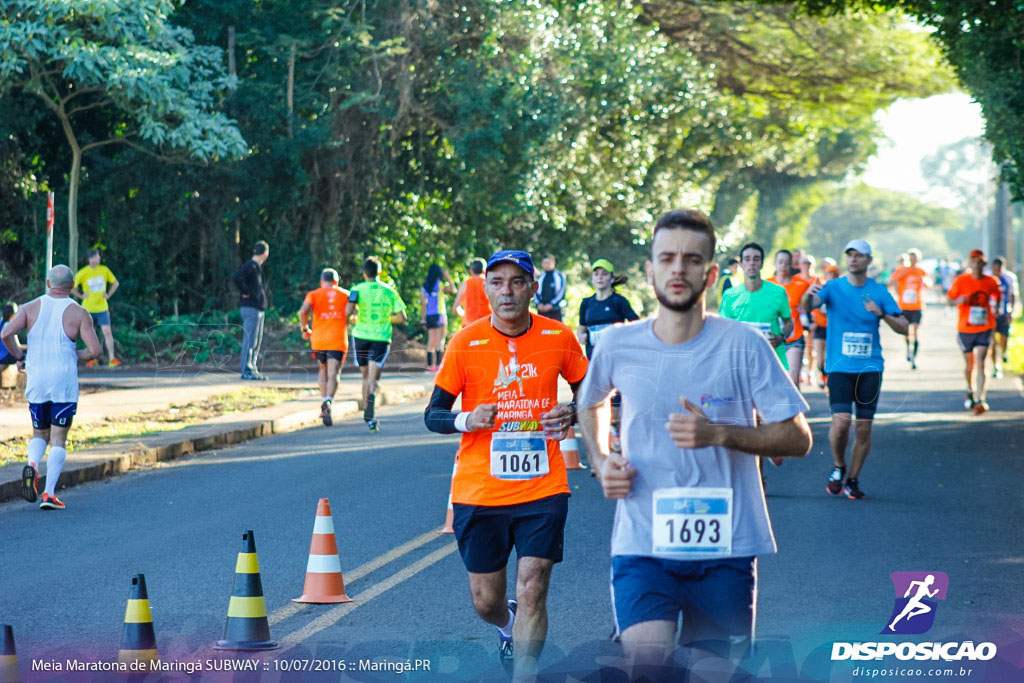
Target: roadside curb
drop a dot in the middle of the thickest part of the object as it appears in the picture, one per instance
(95, 464)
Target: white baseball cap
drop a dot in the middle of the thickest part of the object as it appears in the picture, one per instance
(858, 245)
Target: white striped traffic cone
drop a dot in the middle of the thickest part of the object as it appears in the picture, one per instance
(324, 582)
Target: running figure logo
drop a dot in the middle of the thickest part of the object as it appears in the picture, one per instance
(916, 595)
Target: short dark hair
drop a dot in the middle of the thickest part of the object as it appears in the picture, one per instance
(1001, 260)
(92, 252)
(477, 265)
(784, 251)
(687, 219)
(260, 247)
(732, 261)
(10, 308)
(549, 256)
(371, 266)
(752, 245)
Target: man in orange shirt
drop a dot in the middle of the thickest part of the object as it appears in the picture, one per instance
(471, 301)
(795, 286)
(911, 283)
(328, 336)
(974, 293)
(510, 485)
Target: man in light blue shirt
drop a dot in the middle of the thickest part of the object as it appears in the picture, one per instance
(853, 359)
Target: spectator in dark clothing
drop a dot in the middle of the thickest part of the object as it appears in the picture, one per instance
(251, 304)
(550, 296)
(732, 266)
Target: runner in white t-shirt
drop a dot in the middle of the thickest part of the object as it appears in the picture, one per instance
(691, 515)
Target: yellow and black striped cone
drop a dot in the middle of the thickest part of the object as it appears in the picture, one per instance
(138, 644)
(8, 657)
(247, 627)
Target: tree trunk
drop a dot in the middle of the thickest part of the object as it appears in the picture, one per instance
(73, 180)
(291, 92)
(231, 51)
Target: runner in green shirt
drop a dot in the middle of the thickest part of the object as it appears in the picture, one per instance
(379, 307)
(764, 305)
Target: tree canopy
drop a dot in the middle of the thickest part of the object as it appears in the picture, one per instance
(426, 132)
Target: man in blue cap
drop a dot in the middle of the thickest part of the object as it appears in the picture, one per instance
(856, 305)
(510, 486)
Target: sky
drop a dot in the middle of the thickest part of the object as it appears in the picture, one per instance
(916, 128)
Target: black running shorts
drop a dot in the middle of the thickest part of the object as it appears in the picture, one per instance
(486, 534)
(322, 356)
(857, 390)
(370, 350)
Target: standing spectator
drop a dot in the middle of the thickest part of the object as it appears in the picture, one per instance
(434, 312)
(92, 280)
(252, 303)
(471, 301)
(550, 296)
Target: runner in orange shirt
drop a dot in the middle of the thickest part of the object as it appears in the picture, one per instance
(911, 283)
(974, 293)
(795, 287)
(471, 301)
(510, 486)
(328, 336)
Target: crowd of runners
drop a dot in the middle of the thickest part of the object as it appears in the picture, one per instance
(676, 410)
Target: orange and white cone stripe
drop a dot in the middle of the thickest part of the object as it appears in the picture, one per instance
(324, 582)
(571, 451)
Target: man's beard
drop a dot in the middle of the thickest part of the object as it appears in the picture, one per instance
(683, 306)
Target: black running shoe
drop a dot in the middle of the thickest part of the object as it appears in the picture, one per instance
(969, 402)
(835, 481)
(325, 413)
(852, 490)
(374, 425)
(29, 484)
(505, 648)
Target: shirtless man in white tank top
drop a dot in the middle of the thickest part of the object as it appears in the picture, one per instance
(54, 323)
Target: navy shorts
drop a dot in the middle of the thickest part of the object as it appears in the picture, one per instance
(1003, 324)
(57, 414)
(716, 597)
(913, 317)
(859, 390)
(100, 319)
(436, 321)
(820, 332)
(796, 344)
(322, 356)
(371, 350)
(971, 340)
(486, 534)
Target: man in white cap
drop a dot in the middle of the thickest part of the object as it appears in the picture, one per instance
(54, 323)
(853, 359)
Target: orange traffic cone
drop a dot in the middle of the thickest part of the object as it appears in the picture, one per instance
(324, 582)
(8, 657)
(138, 644)
(449, 515)
(247, 627)
(571, 452)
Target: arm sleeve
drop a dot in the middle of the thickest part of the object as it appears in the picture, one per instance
(241, 279)
(439, 416)
(397, 305)
(583, 311)
(954, 290)
(540, 288)
(574, 362)
(110, 276)
(785, 312)
(597, 385)
(353, 296)
(889, 305)
(775, 397)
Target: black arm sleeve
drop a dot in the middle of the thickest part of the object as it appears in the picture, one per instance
(439, 416)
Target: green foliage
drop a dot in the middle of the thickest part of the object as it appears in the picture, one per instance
(432, 132)
(867, 212)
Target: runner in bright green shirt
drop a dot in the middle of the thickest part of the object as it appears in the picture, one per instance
(379, 307)
(764, 305)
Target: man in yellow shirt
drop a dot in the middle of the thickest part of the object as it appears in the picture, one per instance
(91, 287)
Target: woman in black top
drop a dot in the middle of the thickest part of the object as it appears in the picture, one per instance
(605, 308)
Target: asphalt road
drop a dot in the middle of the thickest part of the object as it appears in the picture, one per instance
(943, 495)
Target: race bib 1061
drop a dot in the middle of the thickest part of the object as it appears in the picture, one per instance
(909, 296)
(692, 520)
(978, 315)
(519, 455)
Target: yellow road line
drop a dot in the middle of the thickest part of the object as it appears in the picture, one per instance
(332, 617)
(359, 572)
